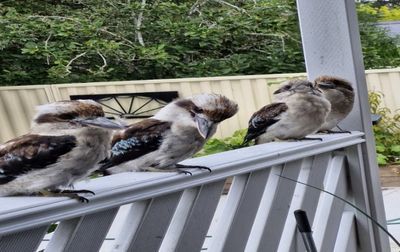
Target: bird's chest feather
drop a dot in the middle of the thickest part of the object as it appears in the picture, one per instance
(91, 149)
(183, 140)
(310, 110)
(180, 144)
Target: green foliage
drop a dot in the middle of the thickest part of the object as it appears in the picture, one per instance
(79, 41)
(387, 131)
(389, 14)
(381, 13)
(379, 49)
(70, 41)
(215, 145)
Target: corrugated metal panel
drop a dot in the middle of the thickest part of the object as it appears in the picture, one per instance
(388, 83)
(17, 106)
(251, 92)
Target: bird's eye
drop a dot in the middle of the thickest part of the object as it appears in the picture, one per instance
(287, 87)
(197, 110)
(68, 116)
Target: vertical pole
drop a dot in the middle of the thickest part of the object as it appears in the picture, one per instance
(331, 45)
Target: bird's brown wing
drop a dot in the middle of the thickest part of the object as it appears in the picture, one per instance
(137, 140)
(264, 118)
(30, 152)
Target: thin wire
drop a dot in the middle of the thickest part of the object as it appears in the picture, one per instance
(349, 203)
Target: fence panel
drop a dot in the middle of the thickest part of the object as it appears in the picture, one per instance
(251, 92)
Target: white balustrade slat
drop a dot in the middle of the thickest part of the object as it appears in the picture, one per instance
(226, 215)
(130, 225)
(84, 233)
(329, 212)
(347, 235)
(263, 210)
(360, 196)
(155, 222)
(288, 233)
(26, 241)
(246, 211)
(307, 202)
(179, 219)
(280, 207)
(199, 218)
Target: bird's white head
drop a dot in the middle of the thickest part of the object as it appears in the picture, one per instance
(72, 114)
(296, 86)
(207, 110)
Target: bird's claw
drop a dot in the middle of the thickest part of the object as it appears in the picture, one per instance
(204, 168)
(185, 172)
(82, 199)
(335, 131)
(310, 138)
(72, 194)
(193, 167)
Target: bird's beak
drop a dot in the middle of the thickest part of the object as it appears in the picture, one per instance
(204, 126)
(278, 91)
(101, 122)
(316, 91)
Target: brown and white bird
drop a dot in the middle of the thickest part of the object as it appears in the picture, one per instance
(66, 141)
(301, 111)
(340, 94)
(175, 133)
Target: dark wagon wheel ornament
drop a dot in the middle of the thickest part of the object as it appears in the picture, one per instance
(122, 104)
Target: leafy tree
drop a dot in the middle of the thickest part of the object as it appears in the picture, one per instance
(379, 49)
(61, 41)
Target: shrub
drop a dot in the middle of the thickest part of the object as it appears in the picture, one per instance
(387, 131)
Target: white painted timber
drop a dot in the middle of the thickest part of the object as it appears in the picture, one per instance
(17, 213)
(279, 211)
(330, 209)
(27, 240)
(85, 233)
(347, 238)
(331, 45)
(175, 212)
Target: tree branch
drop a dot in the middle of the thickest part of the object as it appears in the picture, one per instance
(196, 7)
(117, 36)
(67, 67)
(139, 20)
(104, 61)
(45, 47)
(103, 30)
(230, 5)
(55, 17)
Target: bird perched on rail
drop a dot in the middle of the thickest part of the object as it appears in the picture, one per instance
(66, 141)
(301, 110)
(175, 133)
(340, 94)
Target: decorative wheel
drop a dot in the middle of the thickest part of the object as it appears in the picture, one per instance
(131, 105)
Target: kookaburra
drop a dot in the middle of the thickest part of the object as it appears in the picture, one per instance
(301, 110)
(175, 133)
(66, 141)
(340, 94)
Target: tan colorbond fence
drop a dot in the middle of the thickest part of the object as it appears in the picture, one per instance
(251, 92)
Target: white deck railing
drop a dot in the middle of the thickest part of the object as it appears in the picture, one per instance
(175, 212)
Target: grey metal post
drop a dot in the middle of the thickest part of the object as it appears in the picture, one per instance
(331, 45)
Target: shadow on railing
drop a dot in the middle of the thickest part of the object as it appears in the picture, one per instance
(174, 212)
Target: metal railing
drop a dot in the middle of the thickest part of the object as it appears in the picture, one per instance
(173, 212)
